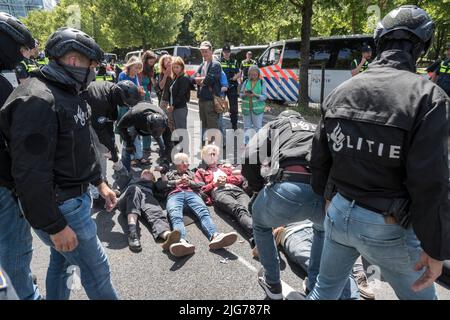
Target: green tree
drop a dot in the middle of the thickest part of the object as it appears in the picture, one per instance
(143, 23)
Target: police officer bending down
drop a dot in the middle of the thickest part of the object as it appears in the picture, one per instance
(144, 119)
(104, 97)
(47, 128)
(383, 144)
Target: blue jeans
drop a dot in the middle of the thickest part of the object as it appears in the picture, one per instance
(127, 157)
(16, 248)
(146, 142)
(89, 256)
(304, 247)
(351, 231)
(178, 201)
(252, 121)
(277, 205)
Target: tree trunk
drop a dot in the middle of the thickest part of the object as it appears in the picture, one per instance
(307, 12)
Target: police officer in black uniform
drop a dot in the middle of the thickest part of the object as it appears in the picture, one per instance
(46, 125)
(104, 97)
(231, 69)
(144, 119)
(15, 235)
(382, 145)
(283, 148)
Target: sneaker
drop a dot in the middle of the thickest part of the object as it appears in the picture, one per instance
(222, 240)
(172, 238)
(134, 243)
(181, 249)
(304, 286)
(364, 288)
(273, 291)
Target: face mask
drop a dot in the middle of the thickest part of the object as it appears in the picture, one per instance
(83, 76)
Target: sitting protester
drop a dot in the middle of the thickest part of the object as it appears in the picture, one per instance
(183, 192)
(223, 189)
(138, 201)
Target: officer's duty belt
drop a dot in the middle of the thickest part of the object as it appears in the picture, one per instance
(289, 176)
(63, 194)
(378, 205)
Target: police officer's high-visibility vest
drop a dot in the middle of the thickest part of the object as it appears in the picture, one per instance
(364, 67)
(445, 67)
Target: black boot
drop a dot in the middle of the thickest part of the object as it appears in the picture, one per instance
(134, 242)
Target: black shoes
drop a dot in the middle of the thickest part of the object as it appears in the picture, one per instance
(134, 242)
(273, 291)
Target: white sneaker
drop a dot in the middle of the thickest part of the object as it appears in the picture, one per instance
(222, 240)
(181, 249)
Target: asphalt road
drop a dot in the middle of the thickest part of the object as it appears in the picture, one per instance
(153, 274)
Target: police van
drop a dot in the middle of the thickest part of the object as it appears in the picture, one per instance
(239, 53)
(279, 65)
(191, 56)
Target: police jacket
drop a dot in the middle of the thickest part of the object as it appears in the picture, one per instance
(384, 135)
(285, 141)
(137, 117)
(231, 68)
(46, 125)
(104, 100)
(6, 179)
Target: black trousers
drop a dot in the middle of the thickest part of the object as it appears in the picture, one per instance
(142, 203)
(232, 95)
(235, 202)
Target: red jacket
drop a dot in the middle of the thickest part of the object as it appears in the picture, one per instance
(207, 176)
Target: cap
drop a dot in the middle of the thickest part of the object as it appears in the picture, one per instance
(366, 49)
(226, 48)
(205, 45)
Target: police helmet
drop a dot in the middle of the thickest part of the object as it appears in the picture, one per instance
(129, 92)
(14, 28)
(290, 113)
(407, 22)
(156, 124)
(66, 39)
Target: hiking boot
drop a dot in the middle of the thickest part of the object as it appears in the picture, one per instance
(134, 242)
(172, 238)
(273, 291)
(222, 240)
(365, 290)
(181, 249)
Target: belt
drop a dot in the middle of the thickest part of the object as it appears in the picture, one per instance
(63, 194)
(289, 176)
(377, 205)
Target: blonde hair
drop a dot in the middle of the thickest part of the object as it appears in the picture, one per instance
(162, 60)
(208, 147)
(181, 157)
(178, 61)
(131, 62)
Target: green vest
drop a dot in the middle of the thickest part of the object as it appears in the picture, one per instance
(258, 106)
(445, 68)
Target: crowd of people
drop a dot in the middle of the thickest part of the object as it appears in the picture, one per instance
(292, 189)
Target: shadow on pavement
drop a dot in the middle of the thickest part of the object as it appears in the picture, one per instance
(114, 240)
